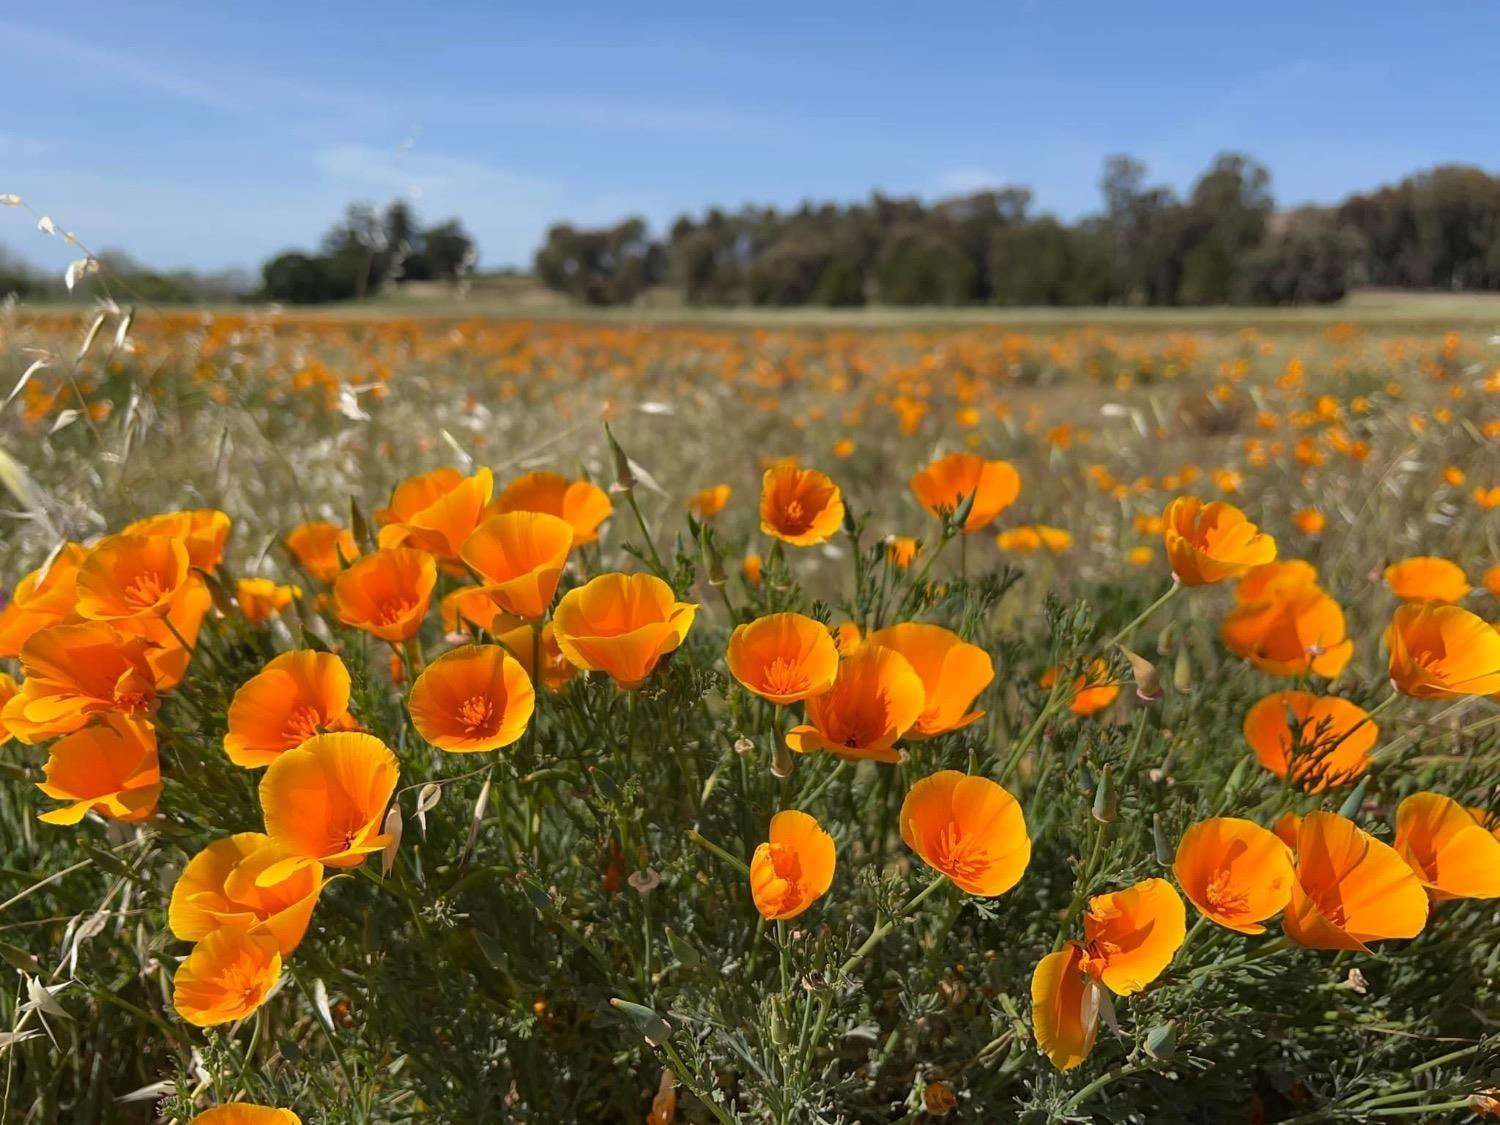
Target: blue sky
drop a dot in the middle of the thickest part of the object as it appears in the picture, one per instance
(213, 135)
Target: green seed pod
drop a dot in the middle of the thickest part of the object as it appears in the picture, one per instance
(1356, 799)
(1161, 1041)
(1182, 671)
(1106, 802)
(1165, 855)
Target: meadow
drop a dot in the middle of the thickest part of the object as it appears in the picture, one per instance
(419, 717)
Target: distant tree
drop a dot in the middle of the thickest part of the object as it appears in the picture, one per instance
(1307, 257)
(922, 265)
(601, 267)
(304, 279)
(1224, 221)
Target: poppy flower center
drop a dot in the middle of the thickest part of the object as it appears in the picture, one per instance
(145, 590)
(476, 714)
(302, 724)
(242, 981)
(795, 514)
(788, 867)
(391, 610)
(1223, 897)
(960, 857)
(785, 676)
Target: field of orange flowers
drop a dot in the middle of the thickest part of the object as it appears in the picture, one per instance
(452, 721)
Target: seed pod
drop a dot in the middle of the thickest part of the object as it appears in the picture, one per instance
(960, 514)
(1355, 801)
(1161, 1041)
(654, 1030)
(1147, 678)
(782, 764)
(624, 477)
(1164, 852)
(1182, 671)
(1106, 802)
(713, 562)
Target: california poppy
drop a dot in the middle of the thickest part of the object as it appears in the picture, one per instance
(472, 698)
(8, 691)
(953, 674)
(583, 504)
(243, 1113)
(944, 485)
(218, 889)
(261, 598)
(1093, 690)
(295, 696)
(793, 868)
(326, 800)
(846, 636)
(109, 768)
(387, 593)
(969, 828)
(1323, 740)
(1025, 540)
(784, 657)
(72, 673)
(440, 527)
(1208, 543)
(418, 493)
(203, 531)
(520, 640)
(1131, 936)
(226, 977)
(1451, 852)
(1065, 1006)
(901, 550)
(131, 576)
(1234, 871)
(875, 699)
(1437, 651)
(43, 598)
(621, 624)
(520, 556)
(322, 548)
(471, 606)
(1427, 578)
(710, 502)
(1287, 627)
(751, 569)
(1350, 888)
(802, 507)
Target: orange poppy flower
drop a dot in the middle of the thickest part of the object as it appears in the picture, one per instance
(520, 556)
(875, 699)
(261, 598)
(1439, 651)
(322, 548)
(109, 768)
(1451, 852)
(1234, 871)
(621, 624)
(1350, 888)
(44, 598)
(1293, 627)
(969, 828)
(802, 507)
(471, 606)
(1131, 936)
(1065, 1006)
(131, 576)
(1093, 690)
(846, 636)
(583, 504)
(1208, 543)
(1330, 744)
(1427, 578)
(1026, 540)
(387, 593)
(218, 890)
(793, 869)
(953, 674)
(1310, 521)
(8, 691)
(1286, 828)
(710, 502)
(295, 696)
(945, 484)
(901, 551)
(202, 531)
(326, 801)
(1491, 580)
(751, 569)
(72, 673)
(519, 639)
(440, 528)
(243, 1113)
(784, 657)
(226, 977)
(418, 493)
(472, 698)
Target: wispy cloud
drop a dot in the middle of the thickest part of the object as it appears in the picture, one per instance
(629, 115)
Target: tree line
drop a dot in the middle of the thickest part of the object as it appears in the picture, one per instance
(1224, 242)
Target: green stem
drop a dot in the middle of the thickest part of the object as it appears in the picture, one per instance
(1168, 595)
(709, 846)
(640, 520)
